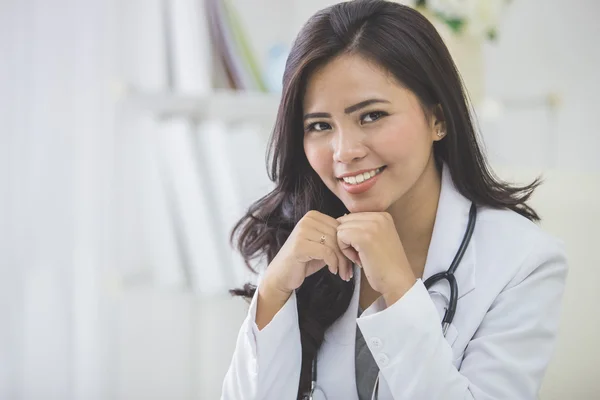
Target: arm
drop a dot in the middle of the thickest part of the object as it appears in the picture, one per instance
(266, 362)
(506, 358)
(268, 356)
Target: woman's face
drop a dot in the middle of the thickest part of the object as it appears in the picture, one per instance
(365, 135)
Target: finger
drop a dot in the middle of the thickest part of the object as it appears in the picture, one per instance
(359, 227)
(317, 251)
(344, 269)
(328, 226)
(361, 216)
(345, 238)
(321, 218)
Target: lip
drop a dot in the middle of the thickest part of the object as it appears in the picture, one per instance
(362, 171)
(361, 187)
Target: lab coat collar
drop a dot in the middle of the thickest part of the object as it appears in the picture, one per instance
(451, 222)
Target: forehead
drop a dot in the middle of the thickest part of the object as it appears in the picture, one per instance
(348, 79)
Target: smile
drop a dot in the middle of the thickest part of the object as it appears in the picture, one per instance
(361, 183)
(360, 178)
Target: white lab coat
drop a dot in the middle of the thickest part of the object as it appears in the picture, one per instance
(510, 282)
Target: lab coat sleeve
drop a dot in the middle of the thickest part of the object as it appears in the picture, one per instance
(266, 363)
(506, 358)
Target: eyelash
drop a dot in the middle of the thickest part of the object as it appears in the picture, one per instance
(380, 114)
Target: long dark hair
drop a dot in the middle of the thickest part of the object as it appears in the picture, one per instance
(406, 44)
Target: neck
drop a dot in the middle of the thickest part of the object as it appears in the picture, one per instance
(414, 217)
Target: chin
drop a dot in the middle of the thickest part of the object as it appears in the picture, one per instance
(367, 205)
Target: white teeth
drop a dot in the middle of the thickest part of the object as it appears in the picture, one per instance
(353, 180)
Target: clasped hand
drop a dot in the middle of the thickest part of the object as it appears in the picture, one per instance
(368, 239)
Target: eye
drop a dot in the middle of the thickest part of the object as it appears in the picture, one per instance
(318, 127)
(372, 116)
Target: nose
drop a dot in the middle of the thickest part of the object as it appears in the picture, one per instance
(349, 146)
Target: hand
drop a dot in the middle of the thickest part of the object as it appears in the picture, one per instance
(303, 254)
(370, 240)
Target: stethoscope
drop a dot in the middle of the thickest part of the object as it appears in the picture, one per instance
(429, 282)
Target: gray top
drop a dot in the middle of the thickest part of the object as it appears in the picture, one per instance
(366, 367)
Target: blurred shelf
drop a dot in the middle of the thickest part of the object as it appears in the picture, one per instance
(229, 106)
(240, 106)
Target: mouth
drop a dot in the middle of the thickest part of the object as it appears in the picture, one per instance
(362, 182)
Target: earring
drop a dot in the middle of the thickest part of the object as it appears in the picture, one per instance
(440, 133)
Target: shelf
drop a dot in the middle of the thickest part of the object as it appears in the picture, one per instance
(239, 106)
(230, 106)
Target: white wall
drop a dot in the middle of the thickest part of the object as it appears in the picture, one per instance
(547, 46)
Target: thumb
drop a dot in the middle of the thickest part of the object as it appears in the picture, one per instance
(346, 248)
(351, 254)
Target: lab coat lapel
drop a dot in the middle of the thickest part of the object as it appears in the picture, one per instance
(336, 358)
(451, 222)
(342, 331)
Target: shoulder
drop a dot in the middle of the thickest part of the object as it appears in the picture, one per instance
(513, 245)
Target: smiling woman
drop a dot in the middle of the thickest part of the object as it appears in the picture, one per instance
(382, 197)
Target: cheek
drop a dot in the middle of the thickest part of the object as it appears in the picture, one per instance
(403, 142)
(319, 157)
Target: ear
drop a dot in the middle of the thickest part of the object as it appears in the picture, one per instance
(438, 123)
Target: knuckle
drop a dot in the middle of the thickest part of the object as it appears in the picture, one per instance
(368, 236)
(311, 214)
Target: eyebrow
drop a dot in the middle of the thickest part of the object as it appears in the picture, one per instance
(348, 110)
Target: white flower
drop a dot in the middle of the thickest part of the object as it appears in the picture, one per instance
(410, 3)
(485, 16)
(451, 9)
(479, 16)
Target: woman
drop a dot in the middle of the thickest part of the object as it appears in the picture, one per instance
(379, 180)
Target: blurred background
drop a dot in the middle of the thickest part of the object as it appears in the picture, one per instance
(133, 137)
